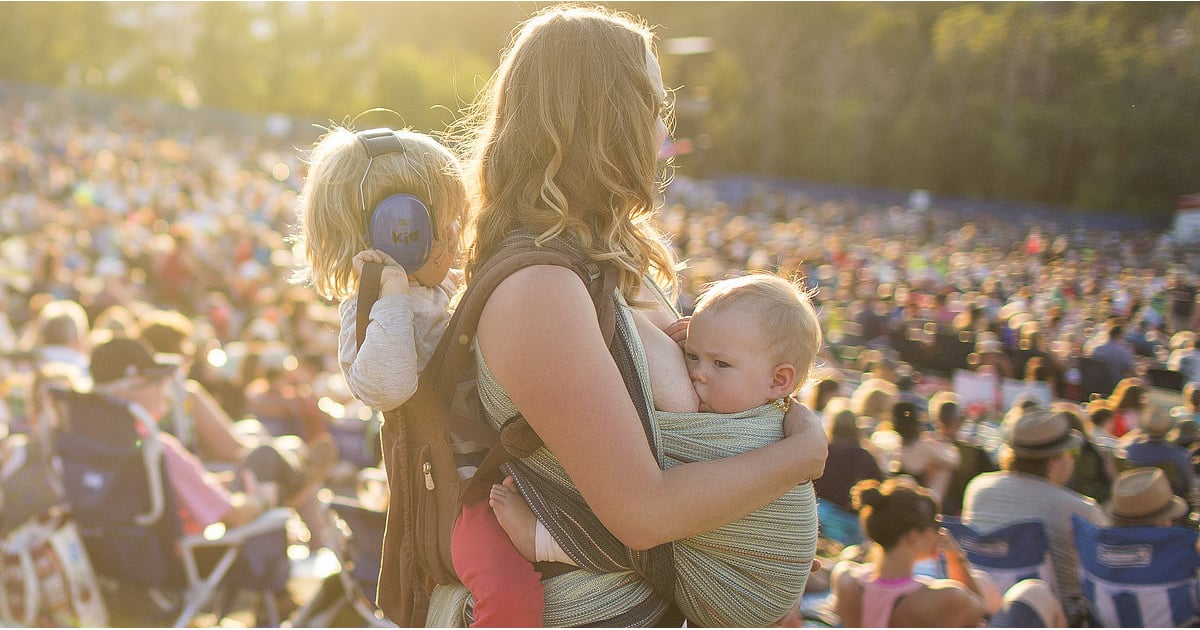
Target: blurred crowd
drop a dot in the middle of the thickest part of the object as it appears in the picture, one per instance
(136, 221)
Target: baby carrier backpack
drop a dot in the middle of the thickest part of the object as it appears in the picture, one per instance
(425, 491)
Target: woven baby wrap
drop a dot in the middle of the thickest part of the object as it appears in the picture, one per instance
(747, 573)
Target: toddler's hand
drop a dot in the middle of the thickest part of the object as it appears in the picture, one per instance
(678, 330)
(394, 279)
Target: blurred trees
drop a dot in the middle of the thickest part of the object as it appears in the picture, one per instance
(1087, 104)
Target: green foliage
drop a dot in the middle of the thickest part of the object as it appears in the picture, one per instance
(1086, 104)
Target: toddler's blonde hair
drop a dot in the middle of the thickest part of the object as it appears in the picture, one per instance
(333, 225)
(780, 310)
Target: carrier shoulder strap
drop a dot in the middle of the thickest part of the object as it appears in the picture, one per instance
(453, 354)
(368, 293)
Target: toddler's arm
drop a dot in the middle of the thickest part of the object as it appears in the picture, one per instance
(383, 372)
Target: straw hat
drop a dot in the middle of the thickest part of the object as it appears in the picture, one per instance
(1040, 434)
(1143, 496)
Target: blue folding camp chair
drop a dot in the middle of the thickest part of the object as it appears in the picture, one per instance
(1139, 577)
(1009, 554)
(838, 524)
(116, 484)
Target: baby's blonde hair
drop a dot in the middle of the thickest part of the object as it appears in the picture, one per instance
(781, 310)
(333, 224)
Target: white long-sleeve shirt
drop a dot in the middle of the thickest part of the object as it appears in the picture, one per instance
(403, 333)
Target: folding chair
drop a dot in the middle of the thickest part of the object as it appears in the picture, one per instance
(1139, 577)
(360, 553)
(116, 484)
(1009, 554)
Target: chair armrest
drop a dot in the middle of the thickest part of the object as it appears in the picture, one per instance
(275, 518)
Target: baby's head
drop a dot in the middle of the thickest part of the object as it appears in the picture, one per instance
(336, 204)
(751, 340)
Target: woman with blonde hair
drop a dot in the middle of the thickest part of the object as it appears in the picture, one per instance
(563, 147)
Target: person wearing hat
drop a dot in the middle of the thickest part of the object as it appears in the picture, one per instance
(1036, 462)
(1143, 496)
(1149, 446)
(123, 369)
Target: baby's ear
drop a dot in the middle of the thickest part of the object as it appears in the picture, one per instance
(783, 380)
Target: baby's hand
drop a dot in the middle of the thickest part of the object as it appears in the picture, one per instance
(678, 330)
(394, 279)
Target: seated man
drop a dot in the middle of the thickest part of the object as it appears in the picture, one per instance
(1142, 497)
(1149, 446)
(265, 478)
(1036, 462)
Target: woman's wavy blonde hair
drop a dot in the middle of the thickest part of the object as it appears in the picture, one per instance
(562, 142)
(332, 222)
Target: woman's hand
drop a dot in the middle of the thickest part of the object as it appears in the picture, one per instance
(678, 330)
(393, 281)
(802, 427)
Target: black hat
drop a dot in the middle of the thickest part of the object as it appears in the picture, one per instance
(122, 358)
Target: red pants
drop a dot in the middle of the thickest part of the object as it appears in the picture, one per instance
(506, 589)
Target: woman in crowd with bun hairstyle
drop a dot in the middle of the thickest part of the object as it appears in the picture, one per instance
(901, 519)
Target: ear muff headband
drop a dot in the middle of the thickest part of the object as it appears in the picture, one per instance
(400, 225)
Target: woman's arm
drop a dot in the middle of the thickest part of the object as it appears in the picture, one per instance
(847, 594)
(540, 337)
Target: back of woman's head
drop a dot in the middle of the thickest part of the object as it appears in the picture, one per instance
(844, 427)
(1128, 393)
(824, 391)
(874, 397)
(906, 421)
(943, 409)
(563, 140)
(890, 510)
(333, 221)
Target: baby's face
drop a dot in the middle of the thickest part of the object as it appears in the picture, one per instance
(728, 361)
(441, 257)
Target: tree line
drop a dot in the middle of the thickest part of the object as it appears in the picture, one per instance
(1091, 105)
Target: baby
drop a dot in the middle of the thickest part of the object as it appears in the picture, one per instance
(749, 347)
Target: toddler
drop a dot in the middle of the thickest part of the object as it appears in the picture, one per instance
(343, 186)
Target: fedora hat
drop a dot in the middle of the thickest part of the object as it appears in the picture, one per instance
(1143, 496)
(1040, 434)
(1155, 423)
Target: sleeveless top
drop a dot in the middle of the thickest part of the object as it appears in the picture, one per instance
(880, 596)
(747, 573)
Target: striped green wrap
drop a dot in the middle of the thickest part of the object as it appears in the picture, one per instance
(745, 574)
(750, 572)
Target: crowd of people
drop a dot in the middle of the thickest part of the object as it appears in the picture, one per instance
(131, 230)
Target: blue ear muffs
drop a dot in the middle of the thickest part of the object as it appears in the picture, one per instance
(401, 225)
(401, 228)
